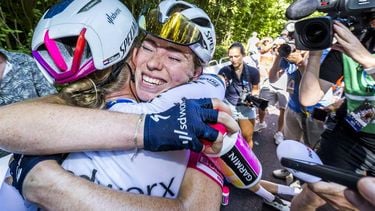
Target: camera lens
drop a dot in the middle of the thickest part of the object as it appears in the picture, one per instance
(316, 32)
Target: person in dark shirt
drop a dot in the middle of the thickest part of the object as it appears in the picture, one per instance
(241, 80)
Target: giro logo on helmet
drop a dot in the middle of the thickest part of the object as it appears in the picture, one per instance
(113, 16)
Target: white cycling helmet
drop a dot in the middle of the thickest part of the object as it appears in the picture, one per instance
(182, 23)
(77, 37)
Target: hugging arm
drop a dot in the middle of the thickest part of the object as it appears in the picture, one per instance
(212, 85)
(40, 127)
(48, 128)
(47, 184)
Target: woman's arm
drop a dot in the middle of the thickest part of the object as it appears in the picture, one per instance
(53, 188)
(40, 127)
(206, 86)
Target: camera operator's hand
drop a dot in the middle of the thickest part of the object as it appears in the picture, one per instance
(332, 193)
(349, 44)
(364, 199)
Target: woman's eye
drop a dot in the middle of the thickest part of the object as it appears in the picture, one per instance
(175, 59)
(146, 48)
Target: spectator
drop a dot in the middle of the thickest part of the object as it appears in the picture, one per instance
(297, 122)
(252, 48)
(265, 46)
(20, 78)
(276, 94)
(347, 146)
(241, 80)
(147, 59)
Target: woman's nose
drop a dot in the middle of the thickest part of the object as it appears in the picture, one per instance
(155, 62)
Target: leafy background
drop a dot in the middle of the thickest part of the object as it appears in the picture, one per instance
(234, 20)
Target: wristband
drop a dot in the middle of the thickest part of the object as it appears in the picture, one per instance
(135, 136)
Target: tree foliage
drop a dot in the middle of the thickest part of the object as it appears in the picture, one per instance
(234, 20)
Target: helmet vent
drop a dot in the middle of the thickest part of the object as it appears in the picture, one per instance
(201, 22)
(177, 8)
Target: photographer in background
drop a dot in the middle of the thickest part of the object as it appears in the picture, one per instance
(241, 80)
(350, 144)
(297, 122)
(275, 92)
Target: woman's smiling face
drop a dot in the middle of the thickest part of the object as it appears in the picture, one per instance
(161, 65)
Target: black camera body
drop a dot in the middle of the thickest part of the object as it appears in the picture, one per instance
(256, 101)
(285, 49)
(317, 33)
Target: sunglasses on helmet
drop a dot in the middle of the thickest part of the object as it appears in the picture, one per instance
(176, 29)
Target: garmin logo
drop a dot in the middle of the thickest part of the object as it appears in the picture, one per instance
(112, 17)
(240, 166)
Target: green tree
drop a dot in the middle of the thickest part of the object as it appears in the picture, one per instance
(234, 20)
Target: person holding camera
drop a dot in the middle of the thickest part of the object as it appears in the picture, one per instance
(350, 143)
(297, 122)
(275, 92)
(241, 80)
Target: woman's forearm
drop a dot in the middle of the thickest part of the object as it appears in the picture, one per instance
(42, 128)
(53, 188)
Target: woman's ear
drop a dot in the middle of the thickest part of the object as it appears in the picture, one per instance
(134, 55)
(197, 72)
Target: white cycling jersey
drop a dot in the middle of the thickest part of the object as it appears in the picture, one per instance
(150, 173)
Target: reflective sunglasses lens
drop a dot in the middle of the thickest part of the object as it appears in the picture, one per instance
(177, 28)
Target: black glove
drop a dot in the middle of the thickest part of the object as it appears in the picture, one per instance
(181, 126)
(21, 165)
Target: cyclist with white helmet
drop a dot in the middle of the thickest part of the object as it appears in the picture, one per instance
(171, 50)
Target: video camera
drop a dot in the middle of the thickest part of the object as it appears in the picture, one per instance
(317, 33)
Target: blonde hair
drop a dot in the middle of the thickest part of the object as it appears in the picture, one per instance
(90, 91)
